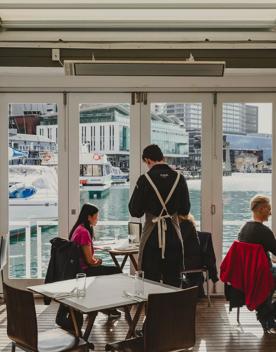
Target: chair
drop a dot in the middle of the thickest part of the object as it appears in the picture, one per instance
(3, 255)
(205, 263)
(246, 272)
(135, 229)
(22, 326)
(203, 270)
(169, 325)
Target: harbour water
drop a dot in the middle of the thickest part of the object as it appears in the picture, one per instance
(237, 191)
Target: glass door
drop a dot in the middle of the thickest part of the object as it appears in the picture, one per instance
(246, 143)
(181, 125)
(32, 198)
(103, 130)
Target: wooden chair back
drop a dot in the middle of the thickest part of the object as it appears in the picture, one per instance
(170, 322)
(21, 317)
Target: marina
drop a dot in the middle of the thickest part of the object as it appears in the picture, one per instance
(237, 191)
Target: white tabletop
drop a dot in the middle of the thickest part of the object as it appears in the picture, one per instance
(102, 292)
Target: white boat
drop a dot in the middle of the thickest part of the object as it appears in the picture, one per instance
(32, 193)
(95, 174)
(118, 176)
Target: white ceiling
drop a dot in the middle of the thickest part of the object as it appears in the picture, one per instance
(138, 14)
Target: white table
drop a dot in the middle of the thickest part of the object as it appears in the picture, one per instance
(102, 292)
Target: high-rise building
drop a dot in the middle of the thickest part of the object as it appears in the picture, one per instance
(237, 118)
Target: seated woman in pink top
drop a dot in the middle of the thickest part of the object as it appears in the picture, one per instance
(83, 233)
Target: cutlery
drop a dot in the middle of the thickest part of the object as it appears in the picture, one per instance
(133, 296)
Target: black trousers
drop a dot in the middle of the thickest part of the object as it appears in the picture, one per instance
(167, 269)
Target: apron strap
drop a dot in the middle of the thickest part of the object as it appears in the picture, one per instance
(161, 219)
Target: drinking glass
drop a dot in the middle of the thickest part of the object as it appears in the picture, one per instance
(81, 284)
(139, 283)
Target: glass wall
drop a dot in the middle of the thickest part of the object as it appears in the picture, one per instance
(104, 147)
(33, 187)
(247, 162)
(176, 128)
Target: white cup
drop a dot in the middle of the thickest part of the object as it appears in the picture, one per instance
(81, 284)
(139, 283)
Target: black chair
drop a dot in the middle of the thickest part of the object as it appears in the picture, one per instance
(204, 264)
(22, 326)
(169, 325)
(3, 255)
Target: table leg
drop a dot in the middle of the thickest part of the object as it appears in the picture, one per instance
(132, 322)
(123, 262)
(134, 262)
(89, 326)
(75, 323)
(115, 261)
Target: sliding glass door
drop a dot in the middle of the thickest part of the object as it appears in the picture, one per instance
(103, 150)
(246, 151)
(181, 125)
(32, 148)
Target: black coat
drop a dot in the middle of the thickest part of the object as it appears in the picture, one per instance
(64, 262)
(208, 254)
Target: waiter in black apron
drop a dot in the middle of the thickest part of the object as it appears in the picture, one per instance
(161, 194)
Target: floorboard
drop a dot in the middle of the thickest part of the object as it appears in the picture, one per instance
(217, 329)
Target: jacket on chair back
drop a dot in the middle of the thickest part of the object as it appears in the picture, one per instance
(247, 269)
(64, 262)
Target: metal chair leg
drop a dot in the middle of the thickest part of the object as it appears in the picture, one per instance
(208, 289)
(13, 346)
(238, 315)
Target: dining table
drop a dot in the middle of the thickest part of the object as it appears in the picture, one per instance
(102, 292)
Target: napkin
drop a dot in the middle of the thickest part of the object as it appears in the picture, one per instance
(122, 245)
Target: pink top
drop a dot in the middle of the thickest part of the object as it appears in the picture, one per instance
(82, 237)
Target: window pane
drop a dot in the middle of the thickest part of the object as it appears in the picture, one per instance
(33, 196)
(176, 128)
(247, 156)
(104, 168)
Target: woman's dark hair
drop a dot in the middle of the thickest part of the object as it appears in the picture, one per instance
(152, 152)
(87, 209)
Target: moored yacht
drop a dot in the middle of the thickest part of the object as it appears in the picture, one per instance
(95, 174)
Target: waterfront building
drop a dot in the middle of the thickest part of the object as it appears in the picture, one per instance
(105, 128)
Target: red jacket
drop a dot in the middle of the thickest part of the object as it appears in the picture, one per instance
(246, 268)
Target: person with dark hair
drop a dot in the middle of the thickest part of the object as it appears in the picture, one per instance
(161, 194)
(82, 233)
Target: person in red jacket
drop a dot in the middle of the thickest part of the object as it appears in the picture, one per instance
(254, 231)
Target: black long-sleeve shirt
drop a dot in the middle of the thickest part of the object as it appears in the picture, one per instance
(144, 199)
(256, 232)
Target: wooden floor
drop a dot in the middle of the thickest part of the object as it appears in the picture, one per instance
(217, 330)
